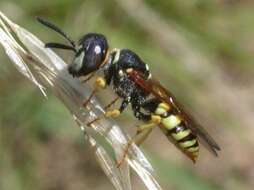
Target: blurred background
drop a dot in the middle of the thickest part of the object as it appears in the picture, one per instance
(202, 50)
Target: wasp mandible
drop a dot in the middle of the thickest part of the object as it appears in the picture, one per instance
(133, 83)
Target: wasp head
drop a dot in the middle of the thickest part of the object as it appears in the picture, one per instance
(90, 54)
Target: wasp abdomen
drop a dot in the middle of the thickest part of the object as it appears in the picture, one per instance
(175, 128)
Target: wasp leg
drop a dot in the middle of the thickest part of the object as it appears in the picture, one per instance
(155, 120)
(117, 112)
(137, 139)
(124, 104)
(89, 98)
(99, 83)
(105, 108)
(113, 113)
(88, 78)
(142, 133)
(111, 103)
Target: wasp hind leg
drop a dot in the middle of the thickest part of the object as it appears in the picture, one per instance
(142, 130)
(138, 139)
(142, 133)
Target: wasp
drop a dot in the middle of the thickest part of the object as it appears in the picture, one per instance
(132, 81)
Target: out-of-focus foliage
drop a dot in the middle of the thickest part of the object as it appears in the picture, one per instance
(200, 49)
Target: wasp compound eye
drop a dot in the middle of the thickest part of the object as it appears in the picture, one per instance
(91, 54)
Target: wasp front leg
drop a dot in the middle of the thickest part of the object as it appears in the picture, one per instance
(99, 83)
(88, 78)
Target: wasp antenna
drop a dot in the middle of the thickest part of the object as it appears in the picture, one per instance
(56, 29)
(60, 46)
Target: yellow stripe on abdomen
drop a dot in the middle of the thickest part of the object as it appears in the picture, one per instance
(187, 143)
(171, 121)
(181, 134)
(193, 149)
(162, 109)
(184, 139)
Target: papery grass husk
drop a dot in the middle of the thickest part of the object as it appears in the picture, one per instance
(48, 72)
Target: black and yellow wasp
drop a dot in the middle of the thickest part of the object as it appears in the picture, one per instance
(132, 81)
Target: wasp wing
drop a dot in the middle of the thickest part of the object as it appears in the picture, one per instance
(154, 87)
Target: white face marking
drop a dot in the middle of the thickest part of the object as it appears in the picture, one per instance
(97, 49)
(79, 60)
(120, 73)
(147, 67)
(117, 56)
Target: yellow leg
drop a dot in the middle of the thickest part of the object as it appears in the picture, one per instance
(142, 128)
(112, 113)
(137, 139)
(99, 83)
(141, 136)
(155, 120)
(142, 133)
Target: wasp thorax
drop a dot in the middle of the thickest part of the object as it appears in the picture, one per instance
(90, 54)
